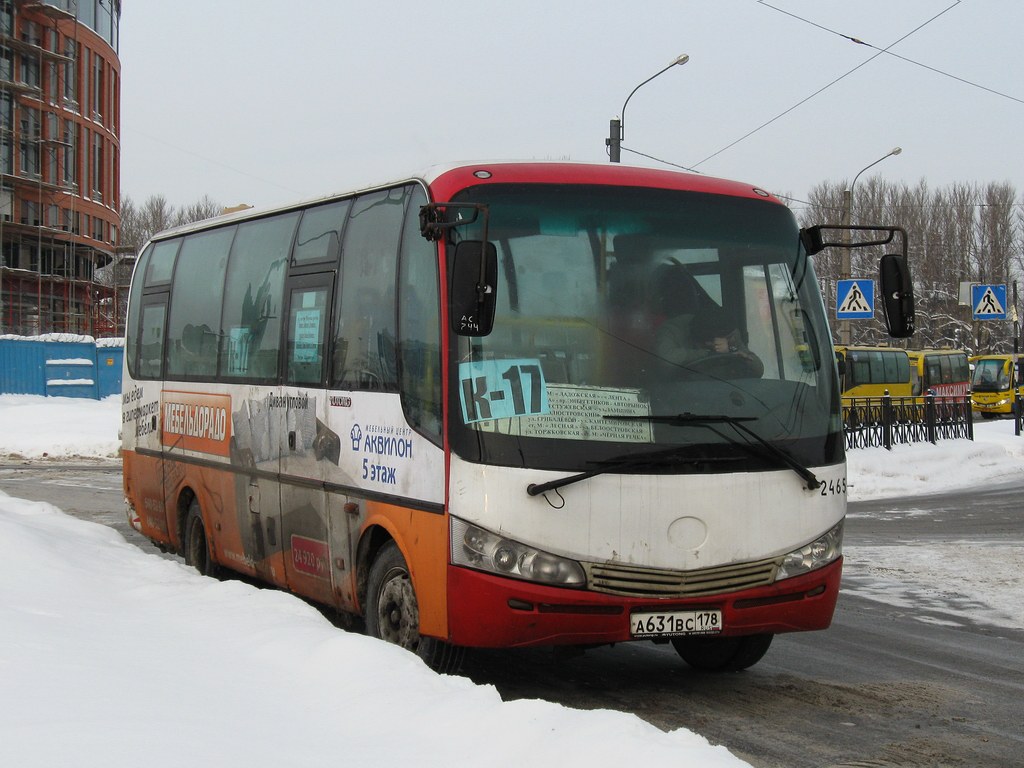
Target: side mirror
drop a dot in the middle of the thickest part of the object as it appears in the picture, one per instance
(472, 288)
(897, 295)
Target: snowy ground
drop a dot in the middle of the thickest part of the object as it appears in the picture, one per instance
(111, 657)
(982, 578)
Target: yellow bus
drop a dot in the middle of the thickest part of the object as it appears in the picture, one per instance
(944, 372)
(873, 371)
(994, 382)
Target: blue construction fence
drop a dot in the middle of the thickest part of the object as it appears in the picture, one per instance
(61, 365)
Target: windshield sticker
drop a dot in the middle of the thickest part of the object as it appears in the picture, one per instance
(577, 413)
(307, 336)
(502, 389)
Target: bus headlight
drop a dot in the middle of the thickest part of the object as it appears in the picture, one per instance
(818, 553)
(477, 548)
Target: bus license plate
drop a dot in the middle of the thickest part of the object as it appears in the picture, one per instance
(675, 623)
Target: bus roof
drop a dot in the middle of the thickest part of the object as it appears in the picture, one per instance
(859, 348)
(445, 180)
(936, 351)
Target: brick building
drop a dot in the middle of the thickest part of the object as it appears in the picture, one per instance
(60, 115)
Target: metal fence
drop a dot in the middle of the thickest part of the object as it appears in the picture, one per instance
(872, 422)
(1018, 412)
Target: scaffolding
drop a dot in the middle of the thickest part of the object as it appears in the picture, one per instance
(51, 276)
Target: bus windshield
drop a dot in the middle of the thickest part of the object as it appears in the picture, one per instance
(620, 309)
(990, 375)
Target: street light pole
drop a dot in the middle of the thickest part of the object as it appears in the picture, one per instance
(845, 332)
(616, 126)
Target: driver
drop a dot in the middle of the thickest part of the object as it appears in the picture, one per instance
(688, 339)
(714, 333)
(676, 305)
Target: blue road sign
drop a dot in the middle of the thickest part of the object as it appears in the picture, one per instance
(989, 302)
(855, 299)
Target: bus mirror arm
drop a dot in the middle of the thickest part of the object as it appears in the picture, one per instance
(815, 239)
(434, 220)
(893, 268)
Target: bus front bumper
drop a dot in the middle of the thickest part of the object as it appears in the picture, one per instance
(486, 611)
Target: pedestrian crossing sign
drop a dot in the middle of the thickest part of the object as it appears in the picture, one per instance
(989, 302)
(855, 299)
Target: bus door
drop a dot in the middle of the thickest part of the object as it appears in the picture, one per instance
(258, 425)
(155, 484)
(841, 368)
(315, 534)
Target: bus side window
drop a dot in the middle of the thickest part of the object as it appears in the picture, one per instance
(253, 297)
(132, 328)
(365, 347)
(860, 369)
(419, 327)
(318, 240)
(196, 298)
(154, 268)
(892, 367)
(883, 367)
(151, 340)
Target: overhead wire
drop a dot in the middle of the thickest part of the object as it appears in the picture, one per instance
(828, 85)
(210, 160)
(858, 41)
(659, 160)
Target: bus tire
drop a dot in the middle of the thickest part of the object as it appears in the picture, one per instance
(722, 654)
(197, 546)
(392, 612)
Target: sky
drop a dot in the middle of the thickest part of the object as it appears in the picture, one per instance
(263, 103)
(135, 659)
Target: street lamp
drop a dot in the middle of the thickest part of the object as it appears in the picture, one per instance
(845, 334)
(616, 128)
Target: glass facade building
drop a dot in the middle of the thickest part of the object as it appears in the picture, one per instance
(60, 114)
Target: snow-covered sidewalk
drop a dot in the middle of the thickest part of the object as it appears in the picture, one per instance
(111, 657)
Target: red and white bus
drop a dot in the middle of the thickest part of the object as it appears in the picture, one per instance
(442, 404)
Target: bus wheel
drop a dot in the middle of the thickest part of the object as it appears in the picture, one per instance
(722, 654)
(197, 548)
(392, 612)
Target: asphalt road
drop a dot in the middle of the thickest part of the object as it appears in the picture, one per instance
(884, 686)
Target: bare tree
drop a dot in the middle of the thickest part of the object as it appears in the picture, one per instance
(140, 223)
(960, 234)
(204, 208)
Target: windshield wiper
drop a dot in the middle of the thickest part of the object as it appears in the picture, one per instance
(631, 460)
(736, 422)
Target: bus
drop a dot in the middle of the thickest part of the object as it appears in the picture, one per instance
(995, 382)
(437, 407)
(943, 372)
(872, 371)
